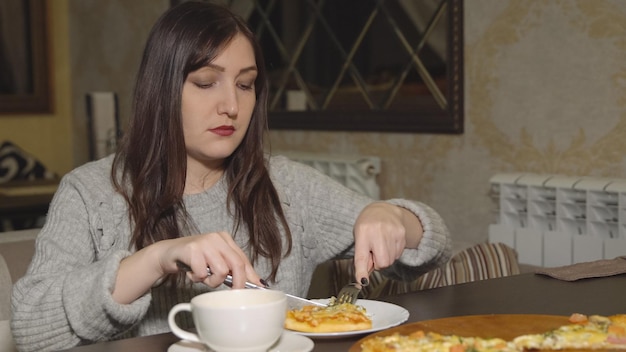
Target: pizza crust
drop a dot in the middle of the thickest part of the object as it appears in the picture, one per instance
(325, 327)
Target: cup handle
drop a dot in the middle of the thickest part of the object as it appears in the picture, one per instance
(185, 335)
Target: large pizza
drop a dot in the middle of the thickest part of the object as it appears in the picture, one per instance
(503, 333)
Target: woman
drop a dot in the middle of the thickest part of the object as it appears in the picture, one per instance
(190, 184)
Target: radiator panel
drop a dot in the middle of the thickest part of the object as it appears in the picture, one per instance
(356, 172)
(556, 220)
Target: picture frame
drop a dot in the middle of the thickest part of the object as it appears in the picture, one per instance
(433, 116)
(25, 89)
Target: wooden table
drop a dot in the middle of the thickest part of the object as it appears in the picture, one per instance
(520, 294)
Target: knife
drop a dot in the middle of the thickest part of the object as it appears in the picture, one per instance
(293, 302)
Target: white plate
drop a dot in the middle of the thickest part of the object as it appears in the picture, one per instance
(384, 315)
(288, 342)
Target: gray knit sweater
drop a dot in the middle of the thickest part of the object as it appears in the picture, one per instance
(65, 298)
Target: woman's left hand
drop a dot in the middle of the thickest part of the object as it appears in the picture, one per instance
(381, 232)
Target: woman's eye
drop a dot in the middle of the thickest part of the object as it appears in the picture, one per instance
(204, 85)
(246, 86)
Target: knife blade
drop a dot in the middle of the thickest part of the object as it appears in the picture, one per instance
(293, 302)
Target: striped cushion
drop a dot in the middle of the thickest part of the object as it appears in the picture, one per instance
(480, 262)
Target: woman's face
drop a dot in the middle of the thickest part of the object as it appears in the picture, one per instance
(217, 105)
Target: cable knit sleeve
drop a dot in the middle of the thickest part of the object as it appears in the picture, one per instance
(65, 297)
(329, 211)
(434, 249)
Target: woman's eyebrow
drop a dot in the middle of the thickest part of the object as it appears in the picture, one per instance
(222, 69)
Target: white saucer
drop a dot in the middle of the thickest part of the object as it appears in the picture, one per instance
(288, 342)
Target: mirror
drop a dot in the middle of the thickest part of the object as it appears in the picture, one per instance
(361, 65)
(24, 80)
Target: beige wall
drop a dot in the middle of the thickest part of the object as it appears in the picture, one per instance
(545, 92)
(107, 39)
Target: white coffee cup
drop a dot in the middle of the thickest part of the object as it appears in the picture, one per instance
(235, 320)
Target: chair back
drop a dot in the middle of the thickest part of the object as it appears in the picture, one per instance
(16, 251)
(5, 290)
(18, 248)
(6, 339)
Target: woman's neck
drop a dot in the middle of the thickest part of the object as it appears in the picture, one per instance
(198, 181)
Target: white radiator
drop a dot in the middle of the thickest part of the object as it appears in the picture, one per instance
(554, 220)
(356, 172)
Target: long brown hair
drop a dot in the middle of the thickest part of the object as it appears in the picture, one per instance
(150, 166)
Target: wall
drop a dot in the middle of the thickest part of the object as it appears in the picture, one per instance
(107, 39)
(545, 92)
(48, 136)
(545, 85)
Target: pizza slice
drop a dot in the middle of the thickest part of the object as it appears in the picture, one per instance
(333, 318)
(583, 332)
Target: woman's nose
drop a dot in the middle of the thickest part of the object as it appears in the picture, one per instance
(228, 103)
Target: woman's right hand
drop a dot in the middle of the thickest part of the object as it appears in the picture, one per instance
(216, 250)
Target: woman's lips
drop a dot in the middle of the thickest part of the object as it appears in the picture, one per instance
(223, 130)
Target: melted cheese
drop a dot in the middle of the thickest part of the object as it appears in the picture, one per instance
(596, 332)
(588, 332)
(433, 342)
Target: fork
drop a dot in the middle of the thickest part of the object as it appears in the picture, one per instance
(348, 294)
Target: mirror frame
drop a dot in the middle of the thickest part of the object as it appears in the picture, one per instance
(429, 120)
(39, 99)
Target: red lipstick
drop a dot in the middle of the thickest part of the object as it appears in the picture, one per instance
(223, 130)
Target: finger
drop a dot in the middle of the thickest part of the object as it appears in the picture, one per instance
(238, 272)
(381, 258)
(198, 269)
(362, 277)
(363, 260)
(216, 273)
(187, 269)
(208, 265)
(212, 281)
(241, 269)
(253, 276)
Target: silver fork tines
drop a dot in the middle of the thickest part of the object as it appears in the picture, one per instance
(348, 294)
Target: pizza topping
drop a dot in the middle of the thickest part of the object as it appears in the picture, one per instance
(617, 330)
(592, 332)
(583, 332)
(420, 341)
(578, 318)
(314, 315)
(333, 318)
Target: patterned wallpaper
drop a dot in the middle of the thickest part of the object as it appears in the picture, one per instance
(545, 93)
